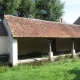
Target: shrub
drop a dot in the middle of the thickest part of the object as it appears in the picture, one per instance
(67, 56)
(60, 58)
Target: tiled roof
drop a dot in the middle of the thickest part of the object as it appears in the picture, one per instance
(77, 21)
(25, 27)
(2, 29)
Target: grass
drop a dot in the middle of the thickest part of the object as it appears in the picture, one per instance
(64, 69)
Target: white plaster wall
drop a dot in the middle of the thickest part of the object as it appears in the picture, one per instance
(14, 52)
(26, 45)
(3, 44)
(66, 44)
(12, 46)
(9, 40)
(63, 44)
(77, 44)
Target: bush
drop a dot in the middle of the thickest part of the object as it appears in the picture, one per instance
(60, 58)
(67, 56)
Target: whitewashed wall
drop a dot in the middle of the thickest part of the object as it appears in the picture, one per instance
(77, 44)
(66, 44)
(63, 44)
(12, 46)
(3, 44)
(26, 45)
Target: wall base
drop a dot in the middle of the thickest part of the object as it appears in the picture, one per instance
(51, 56)
(73, 53)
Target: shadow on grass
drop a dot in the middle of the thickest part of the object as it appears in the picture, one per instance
(76, 72)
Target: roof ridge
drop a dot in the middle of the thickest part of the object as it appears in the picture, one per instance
(42, 20)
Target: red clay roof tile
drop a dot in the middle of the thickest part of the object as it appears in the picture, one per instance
(25, 27)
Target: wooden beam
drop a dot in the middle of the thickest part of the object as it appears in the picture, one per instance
(50, 47)
(72, 44)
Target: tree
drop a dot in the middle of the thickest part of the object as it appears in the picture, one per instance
(41, 9)
(56, 10)
(8, 7)
(24, 9)
(50, 10)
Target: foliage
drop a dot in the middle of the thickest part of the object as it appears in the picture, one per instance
(59, 70)
(56, 10)
(8, 7)
(60, 58)
(50, 10)
(42, 9)
(67, 56)
(25, 8)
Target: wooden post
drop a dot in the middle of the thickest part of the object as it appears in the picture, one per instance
(73, 50)
(50, 48)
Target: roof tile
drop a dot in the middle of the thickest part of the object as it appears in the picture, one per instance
(25, 27)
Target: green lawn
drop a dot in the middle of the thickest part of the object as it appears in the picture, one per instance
(68, 69)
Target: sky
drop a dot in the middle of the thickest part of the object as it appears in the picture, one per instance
(72, 10)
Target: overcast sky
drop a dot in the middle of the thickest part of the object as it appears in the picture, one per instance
(72, 10)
